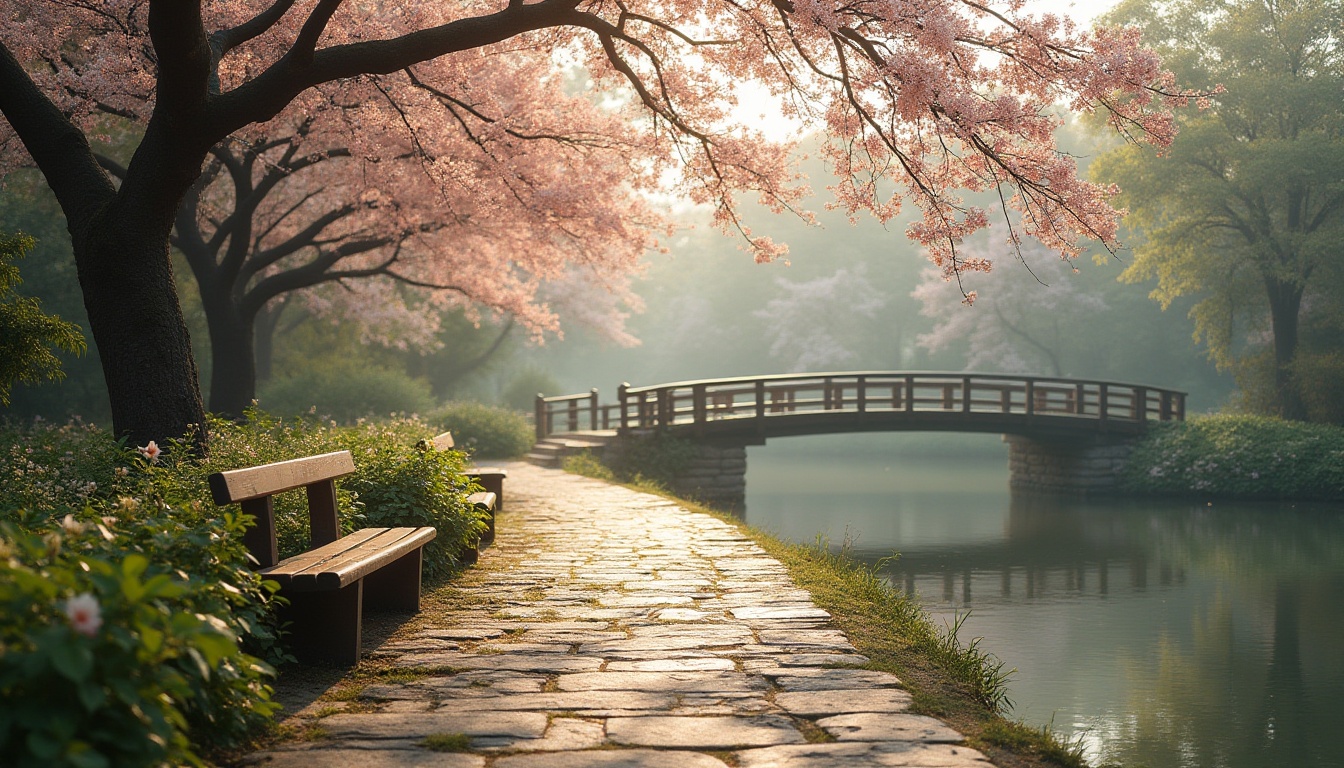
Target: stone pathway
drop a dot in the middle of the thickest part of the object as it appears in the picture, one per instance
(617, 630)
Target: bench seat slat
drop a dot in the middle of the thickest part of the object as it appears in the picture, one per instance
(345, 560)
(484, 499)
(304, 560)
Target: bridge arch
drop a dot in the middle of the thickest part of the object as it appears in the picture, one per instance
(1064, 434)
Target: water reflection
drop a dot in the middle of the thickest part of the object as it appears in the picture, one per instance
(1165, 634)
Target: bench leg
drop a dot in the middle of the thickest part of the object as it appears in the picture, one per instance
(396, 586)
(488, 537)
(325, 626)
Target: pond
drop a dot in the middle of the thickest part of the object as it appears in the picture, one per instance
(1162, 633)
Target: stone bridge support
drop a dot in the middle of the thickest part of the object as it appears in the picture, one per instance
(717, 475)
(1066, 466)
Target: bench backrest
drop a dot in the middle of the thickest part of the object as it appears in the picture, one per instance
(253, 488)
(444, 442)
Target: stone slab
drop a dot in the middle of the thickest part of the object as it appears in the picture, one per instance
(805, 679)
(411, 725)
(551, 662)
(842, 702)
(863, 755)
(669, 682)
(364, 758)
(772, 612)
(611, 758)
(564, 701)
(705, 664)
(872, 726)
(703, 732)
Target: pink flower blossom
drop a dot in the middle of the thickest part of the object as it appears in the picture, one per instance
(85, 613)
(150, 451)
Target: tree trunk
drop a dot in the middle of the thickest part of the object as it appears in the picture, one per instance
(267, 323)
(137, 324)
(233, 372)
(1285, 304)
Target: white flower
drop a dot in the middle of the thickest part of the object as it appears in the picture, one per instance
(85, 613)
(71, 525)
(150, 451)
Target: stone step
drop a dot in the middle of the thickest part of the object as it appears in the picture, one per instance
(543, 459)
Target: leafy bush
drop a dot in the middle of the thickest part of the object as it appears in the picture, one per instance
(485, 431)
(1239, 455)
(348, 393)
(121, 636)
(586, 464)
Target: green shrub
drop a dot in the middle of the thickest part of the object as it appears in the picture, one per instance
(347, 393)
(586, 464)
(158, 677)
(485, 431)
(1239, 455)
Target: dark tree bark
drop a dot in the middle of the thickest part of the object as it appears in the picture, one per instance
(1285, 306)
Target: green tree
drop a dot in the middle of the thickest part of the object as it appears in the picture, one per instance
(1246, 210)
(26, 334)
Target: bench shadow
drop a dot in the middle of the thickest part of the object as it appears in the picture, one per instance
(299, 686)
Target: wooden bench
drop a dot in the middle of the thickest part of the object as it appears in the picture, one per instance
(489, 478)
(328, 585)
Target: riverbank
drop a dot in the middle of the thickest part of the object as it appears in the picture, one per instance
(1234, 456)
(611, 627)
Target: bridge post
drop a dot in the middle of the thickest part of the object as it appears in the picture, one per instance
(539, 416)
(861, 392)
(760, 400)
(698, 403)
(592, 409)
(622, 395)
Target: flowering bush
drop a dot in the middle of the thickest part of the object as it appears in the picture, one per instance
(121, 636)
(118, 575)
(1239, 455)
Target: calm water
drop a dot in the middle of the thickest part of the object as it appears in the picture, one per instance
(1165, 634)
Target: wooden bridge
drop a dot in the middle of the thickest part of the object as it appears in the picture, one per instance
(1064, 435)
(759, 407)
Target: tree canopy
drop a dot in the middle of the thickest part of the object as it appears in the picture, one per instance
(1246, 210)
(920, 98)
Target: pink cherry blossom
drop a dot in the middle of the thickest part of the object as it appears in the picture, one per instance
(85, 614)
(150, 451)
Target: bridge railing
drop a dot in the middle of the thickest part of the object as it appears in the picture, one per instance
(573, 413)
(695, 402)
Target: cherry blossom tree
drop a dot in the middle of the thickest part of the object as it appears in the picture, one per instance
(1014, 324)
(812, 324)
(920, 98)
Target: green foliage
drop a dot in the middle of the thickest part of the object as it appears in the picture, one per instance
(654, 458)
(485, 431)
(161, 679)
(1239, 455)
(586, 464)
(1246, 209)
(26, 333)
(420, 487)
(347, 393)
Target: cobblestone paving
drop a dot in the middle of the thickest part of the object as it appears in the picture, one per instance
(617, 630)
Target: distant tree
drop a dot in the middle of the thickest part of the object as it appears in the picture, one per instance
(1246, 210)
(813, 324)
(920, 97)
(1014, 324)
(27, 335)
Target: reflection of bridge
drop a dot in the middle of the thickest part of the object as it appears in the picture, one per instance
(726, 415)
